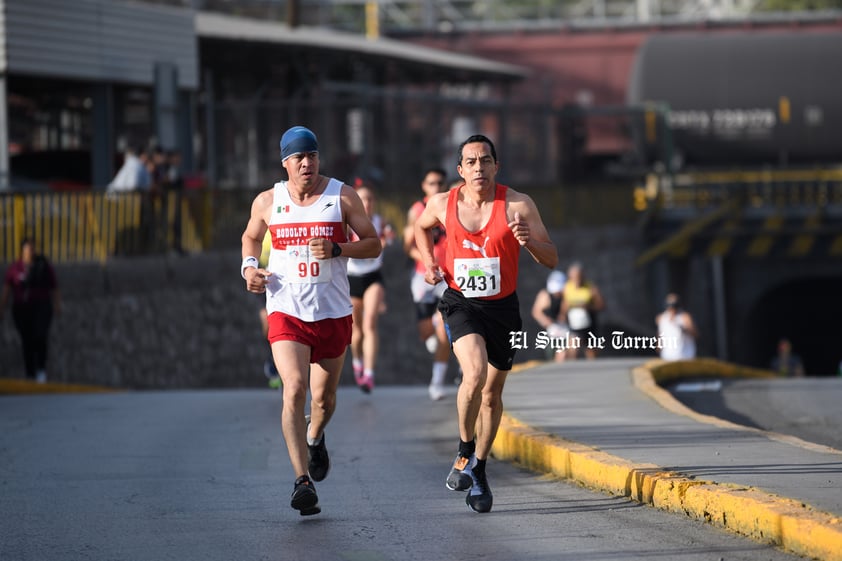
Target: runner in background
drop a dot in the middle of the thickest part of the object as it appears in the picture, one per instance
(581, 303)
(269, 369)
(426, 297)
(368, 296)
(546, 310)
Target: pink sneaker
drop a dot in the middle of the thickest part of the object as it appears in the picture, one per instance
(358, 375)
(366, 383)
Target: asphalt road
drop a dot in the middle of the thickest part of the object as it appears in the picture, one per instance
(204, 475)
(808, 408)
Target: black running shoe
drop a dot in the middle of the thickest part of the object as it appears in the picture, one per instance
(318, 460)
(304, 498)
(460, 478)
(479, 498)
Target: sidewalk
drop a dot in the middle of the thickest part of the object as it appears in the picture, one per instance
(11, 386)
(589, 422)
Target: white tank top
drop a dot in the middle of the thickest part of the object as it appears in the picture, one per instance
(677, 344)
(301, 286)
(359, 267)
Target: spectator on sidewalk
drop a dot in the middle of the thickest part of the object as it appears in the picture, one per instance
(677, 330)
(786, 363)
(133, 174)
(31, 283)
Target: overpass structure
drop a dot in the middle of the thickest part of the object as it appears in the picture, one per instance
(755, 255)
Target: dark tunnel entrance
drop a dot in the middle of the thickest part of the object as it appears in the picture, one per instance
(808, 312)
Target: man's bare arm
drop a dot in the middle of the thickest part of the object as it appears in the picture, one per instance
(367, 246)
(409, 245)
(433, 215)
(529, 230)
(252, 242)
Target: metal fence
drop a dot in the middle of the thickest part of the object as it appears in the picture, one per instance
(390, 136)
(91, 227)
(94, 227)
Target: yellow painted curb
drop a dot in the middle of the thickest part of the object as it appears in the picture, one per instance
(784, 522)
(522, 366)
(14, 386)
(667, 371)
(763, 516)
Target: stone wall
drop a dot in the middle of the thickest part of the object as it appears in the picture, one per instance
(151, 323)
(184, 322)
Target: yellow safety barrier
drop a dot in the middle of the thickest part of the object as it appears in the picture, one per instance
(814, 188)
(91, 227)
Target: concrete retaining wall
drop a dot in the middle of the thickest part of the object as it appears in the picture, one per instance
(179, 322)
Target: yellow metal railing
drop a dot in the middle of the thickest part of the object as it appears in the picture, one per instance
(91, 227)
(758, 188)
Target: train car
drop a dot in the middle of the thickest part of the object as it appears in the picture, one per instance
(743, 99)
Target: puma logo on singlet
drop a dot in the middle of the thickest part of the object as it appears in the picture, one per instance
(468, 244)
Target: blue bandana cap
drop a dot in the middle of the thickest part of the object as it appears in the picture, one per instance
(297, 140)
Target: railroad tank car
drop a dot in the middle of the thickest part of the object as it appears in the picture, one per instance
(759, 98)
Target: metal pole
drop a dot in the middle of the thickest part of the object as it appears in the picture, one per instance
(253, 156)
(429, 8)
(102, 155)
(643, 10)
(293, 11)
(210, 129)
(186, 115)
(372, 19)
(4, 136)
(720, 322)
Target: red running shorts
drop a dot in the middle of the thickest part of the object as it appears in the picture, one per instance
(327, 338)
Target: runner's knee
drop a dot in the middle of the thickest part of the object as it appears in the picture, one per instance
(295, 393)
(324, 400)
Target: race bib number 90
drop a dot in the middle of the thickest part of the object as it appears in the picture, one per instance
(303, 269)
(477, 277)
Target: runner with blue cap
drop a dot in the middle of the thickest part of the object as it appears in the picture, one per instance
(308, 301)
(298, 140)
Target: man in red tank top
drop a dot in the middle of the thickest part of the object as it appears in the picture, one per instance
(487, 223)
(425, 296)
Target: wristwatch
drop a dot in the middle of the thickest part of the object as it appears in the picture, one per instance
(336, 250)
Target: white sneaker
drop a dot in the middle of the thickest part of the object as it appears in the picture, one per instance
(432, 343)
(436, 392)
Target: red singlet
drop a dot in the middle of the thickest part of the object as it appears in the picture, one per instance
(481, 264)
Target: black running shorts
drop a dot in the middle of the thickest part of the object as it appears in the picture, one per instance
(425, 310)
(493, 320)
(359, 284)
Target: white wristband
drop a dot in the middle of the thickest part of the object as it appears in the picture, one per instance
(248, 262)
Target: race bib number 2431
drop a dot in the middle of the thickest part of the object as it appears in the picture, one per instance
(477, 277)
